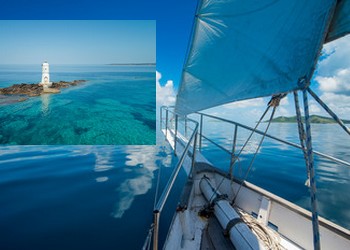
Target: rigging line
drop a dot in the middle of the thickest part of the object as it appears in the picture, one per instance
(157, 187)
(315, 225)
(302, 136)
(251, 134)
(245, 144)
(216, 190)
(147, 243)
(231, 171)
(255, 154)
(329, 111)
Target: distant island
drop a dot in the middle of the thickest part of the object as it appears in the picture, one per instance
(313, 119)
(131, 64)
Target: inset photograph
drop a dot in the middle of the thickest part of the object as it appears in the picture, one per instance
(77, 82)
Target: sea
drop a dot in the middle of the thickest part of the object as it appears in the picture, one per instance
(83, 197)
(115, 106)
(102, 197)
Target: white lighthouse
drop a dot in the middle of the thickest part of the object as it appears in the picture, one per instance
(45, 78)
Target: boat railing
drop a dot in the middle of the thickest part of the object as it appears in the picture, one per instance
(234, 141)
(170, 122)
(189, 133)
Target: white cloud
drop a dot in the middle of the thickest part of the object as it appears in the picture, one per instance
(337, 57)
(281, 111)
(146, 159)
(249, 111)
(166, 93)
(339, 103)
(333, 77)
(314, 108)
(333, 72)
(258, 102)
(284, 101)
(339, 82)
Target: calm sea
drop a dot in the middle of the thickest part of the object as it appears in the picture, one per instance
(116, 105)
(82, 197)
(102, 197)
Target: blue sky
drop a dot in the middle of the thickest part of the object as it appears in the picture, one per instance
(174, 23)
(77, 42)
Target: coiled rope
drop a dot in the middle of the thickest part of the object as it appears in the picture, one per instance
(269, 237)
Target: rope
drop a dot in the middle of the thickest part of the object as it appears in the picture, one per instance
(329, 111)
(312, 174)
(239, 170)
(274, 102)
(157, 188)
(147, 244)
(256, 152)
(251, 134)
(270, 238)
(302, 136)
(245, 144)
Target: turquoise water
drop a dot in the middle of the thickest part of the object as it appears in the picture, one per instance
(115, 106)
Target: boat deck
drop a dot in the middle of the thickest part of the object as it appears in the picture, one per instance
(213, 237)
(290, 223)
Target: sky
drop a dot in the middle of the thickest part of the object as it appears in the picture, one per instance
(77, 42)
(173, 21)
(173, 27)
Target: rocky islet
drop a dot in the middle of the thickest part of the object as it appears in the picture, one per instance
(25, 90)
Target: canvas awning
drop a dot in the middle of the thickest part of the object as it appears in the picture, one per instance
(244, 49)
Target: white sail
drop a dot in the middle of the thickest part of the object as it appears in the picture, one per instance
(244, 49)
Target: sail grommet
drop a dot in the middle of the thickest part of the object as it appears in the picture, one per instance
(275, 100)
(302, 83)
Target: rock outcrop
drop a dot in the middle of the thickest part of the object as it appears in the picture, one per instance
(35, 89)
(22, 89)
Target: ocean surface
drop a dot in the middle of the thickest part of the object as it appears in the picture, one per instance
(82, 197)
(116, 106)
(102, 197)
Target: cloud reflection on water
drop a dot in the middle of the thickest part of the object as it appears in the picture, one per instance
(140, 162)
(146, 159)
